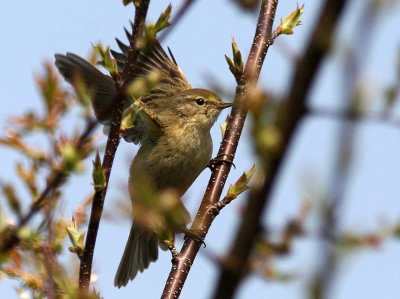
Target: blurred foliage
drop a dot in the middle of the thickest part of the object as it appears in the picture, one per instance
(35, 261)
(249, 5)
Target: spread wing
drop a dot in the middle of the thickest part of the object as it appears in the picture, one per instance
(172, 81)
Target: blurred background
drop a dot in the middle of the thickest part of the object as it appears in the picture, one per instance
(363, 65)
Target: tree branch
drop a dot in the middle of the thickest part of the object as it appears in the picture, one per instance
(236, 263)
(206, 214)
(112, 145)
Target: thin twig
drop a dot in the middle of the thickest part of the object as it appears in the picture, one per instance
(56, 178)
(236, 263)
(178, 16)
(112, 145)
(206, 214)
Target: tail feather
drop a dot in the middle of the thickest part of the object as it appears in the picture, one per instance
(140, 250)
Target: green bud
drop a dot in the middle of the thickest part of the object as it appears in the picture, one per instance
(235, 65)
(237, 56)
(223, 128)
(99, 174)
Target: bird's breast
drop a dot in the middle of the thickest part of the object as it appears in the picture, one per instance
(175, 160)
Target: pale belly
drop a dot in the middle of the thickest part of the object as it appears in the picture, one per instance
(172, 163)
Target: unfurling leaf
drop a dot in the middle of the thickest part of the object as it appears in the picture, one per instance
(106, 60)
(99, 174)
(162, 23)
(292, 20)
(76, 238)
(241, 184)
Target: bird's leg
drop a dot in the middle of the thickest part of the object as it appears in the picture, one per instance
(218, 160)
(171, 247)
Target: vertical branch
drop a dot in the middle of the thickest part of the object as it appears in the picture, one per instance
(111, 147)
(206, 214)
(236, 262)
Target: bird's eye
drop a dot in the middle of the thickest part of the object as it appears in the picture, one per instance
(200, 102)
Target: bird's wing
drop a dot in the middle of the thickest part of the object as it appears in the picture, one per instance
(171, 81)
(102, 86)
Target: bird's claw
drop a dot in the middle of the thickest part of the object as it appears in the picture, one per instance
(174, 253)
(218, 160)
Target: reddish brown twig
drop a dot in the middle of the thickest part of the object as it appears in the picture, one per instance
(318, 46)
(206, 214)
(111, 147)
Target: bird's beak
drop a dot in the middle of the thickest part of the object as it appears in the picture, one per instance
(224, 105)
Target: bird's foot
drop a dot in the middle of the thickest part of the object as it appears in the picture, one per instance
(193, 235)
(174, 253)
(218, 160)
(170, 244)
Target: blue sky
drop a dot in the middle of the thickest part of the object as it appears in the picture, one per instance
(31, 32)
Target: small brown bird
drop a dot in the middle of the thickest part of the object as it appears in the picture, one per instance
(173, 129)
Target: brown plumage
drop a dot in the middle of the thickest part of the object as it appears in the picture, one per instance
(173, 129)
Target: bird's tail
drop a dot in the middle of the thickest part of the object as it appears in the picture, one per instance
(140, 250)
